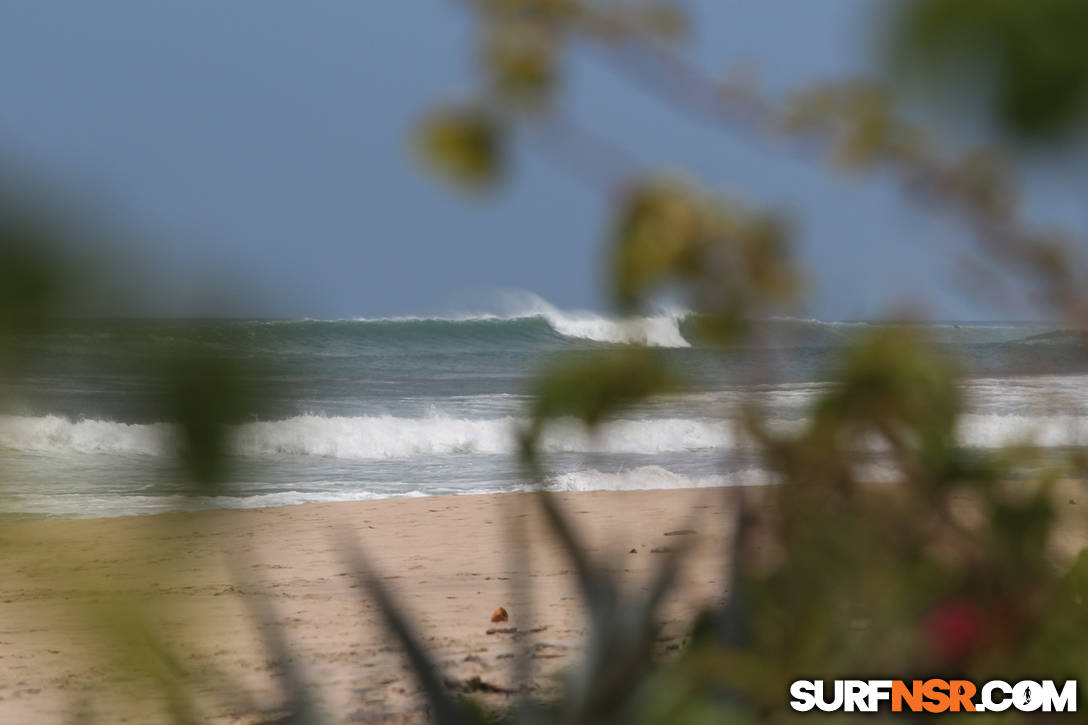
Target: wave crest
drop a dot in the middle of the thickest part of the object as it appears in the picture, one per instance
(54, 433)
(661, 330)
(392, 437)
(363, 437)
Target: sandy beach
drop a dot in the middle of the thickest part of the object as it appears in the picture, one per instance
(100, 616)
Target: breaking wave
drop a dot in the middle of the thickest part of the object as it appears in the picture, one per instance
(661, 330)
(392, 437)
(365, 437)
(57, 434)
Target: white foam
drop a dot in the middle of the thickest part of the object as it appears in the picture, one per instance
(662, 330)
(364, 437)
(371, 437)
(646, 478)
(653, 478)
(54, 433)
(89, 505)
(374, 436)
(996, 431)
(70, 504)
(392, 437)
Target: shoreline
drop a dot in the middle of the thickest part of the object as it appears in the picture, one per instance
(195, 579)
(415, 495)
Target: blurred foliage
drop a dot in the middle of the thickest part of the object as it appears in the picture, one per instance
(592, 389)
(29, 289)
(34, 285)
(960, 566)
(861, 116)
(520, 58)
(204, 394)
(1032, 53)
(465, 143)
(671, 232)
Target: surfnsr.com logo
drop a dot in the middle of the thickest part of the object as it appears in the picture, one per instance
(933, 696)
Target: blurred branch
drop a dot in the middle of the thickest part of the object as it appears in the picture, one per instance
(592, 158)
(975, 187)
(851, 121)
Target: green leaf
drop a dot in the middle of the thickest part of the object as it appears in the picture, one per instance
(734, 264)
(595, 387)
(33, 283)
(465, 144)
(894, 382)
(204, 395)
(520, 59)
(1033, 53)
(661, 232)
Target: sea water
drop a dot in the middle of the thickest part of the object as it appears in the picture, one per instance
(378, 408)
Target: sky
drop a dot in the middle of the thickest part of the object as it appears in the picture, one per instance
(261, 149)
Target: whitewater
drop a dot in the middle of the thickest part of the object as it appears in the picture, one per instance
(659, 330)
(416, 406)
(388, 437)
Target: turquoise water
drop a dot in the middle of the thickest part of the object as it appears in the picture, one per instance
(359, 409)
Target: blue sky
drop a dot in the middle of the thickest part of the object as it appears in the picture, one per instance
(262, 147)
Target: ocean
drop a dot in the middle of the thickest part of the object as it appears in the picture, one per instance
(378, 408)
